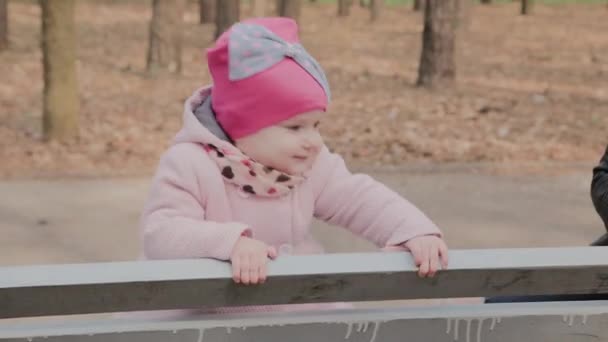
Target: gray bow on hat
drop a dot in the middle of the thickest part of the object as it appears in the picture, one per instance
(253, 48)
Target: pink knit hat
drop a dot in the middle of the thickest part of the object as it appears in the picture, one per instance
(262, 76)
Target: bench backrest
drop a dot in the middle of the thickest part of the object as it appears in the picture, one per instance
(33, 291)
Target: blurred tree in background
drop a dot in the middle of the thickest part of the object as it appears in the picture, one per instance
(3, 24)
(207, 11)
(437, 60)
(165, 37)
(227, 13)
(289, 8)
(60, 95)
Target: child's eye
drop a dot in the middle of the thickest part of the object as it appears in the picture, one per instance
(294, 128)
(317, 124)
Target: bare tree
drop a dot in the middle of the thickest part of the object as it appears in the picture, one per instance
(165, 42)
(419, 5)
(206, 11)
(375, 7)
(259, 8)
(344, 7)
(464, 17)
(462, 30)
(437, 60)
(3, 24)
(289, 8)
(60, 96)
(526, 7)
(227, 13)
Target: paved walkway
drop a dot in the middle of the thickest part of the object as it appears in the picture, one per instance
(61, 221)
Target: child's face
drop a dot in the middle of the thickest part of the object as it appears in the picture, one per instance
(291, 146)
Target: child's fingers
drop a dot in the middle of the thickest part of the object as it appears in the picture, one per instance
(416, 255)
(423, 270)
(433, 261)
(254, 272)
(443, 254)
(272, 252)
(262, 272)
(245, 267)
(236, 270)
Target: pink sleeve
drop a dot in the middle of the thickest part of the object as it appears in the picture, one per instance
(173, 224)
(365, 206)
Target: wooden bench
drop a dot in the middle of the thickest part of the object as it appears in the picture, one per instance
(72, 302)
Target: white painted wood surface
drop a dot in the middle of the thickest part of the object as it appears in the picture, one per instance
(84, 288)
(172, 284)
(564, 321)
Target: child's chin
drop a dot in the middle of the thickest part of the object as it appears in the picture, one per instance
(301, 171)
(295, 170)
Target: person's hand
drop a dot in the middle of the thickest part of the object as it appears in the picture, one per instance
(249, 258)
(429, 252)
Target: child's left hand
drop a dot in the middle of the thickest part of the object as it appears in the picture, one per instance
(428, 251)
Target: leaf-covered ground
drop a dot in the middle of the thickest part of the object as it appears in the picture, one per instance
(529, 88)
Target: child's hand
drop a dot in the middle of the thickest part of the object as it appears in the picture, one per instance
(249, 258)
(428, 252)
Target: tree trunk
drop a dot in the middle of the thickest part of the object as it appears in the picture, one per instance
(362, 3)
(3, 24)
(60, 96)
(165, 42)
(259, 8)
(206, 11)
(228, 12)
(487, 2)
(437, 64)
(289, 8)
(375, 7)
(419, 5)
(344, 7)
(462, 31)
(526, 7)
(464, 17)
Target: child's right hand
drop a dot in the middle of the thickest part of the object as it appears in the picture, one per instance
(249, 258)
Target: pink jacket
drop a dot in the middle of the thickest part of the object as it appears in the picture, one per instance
(192, 213)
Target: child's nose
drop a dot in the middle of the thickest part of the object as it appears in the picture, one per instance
(309, 147)
(313, 141)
